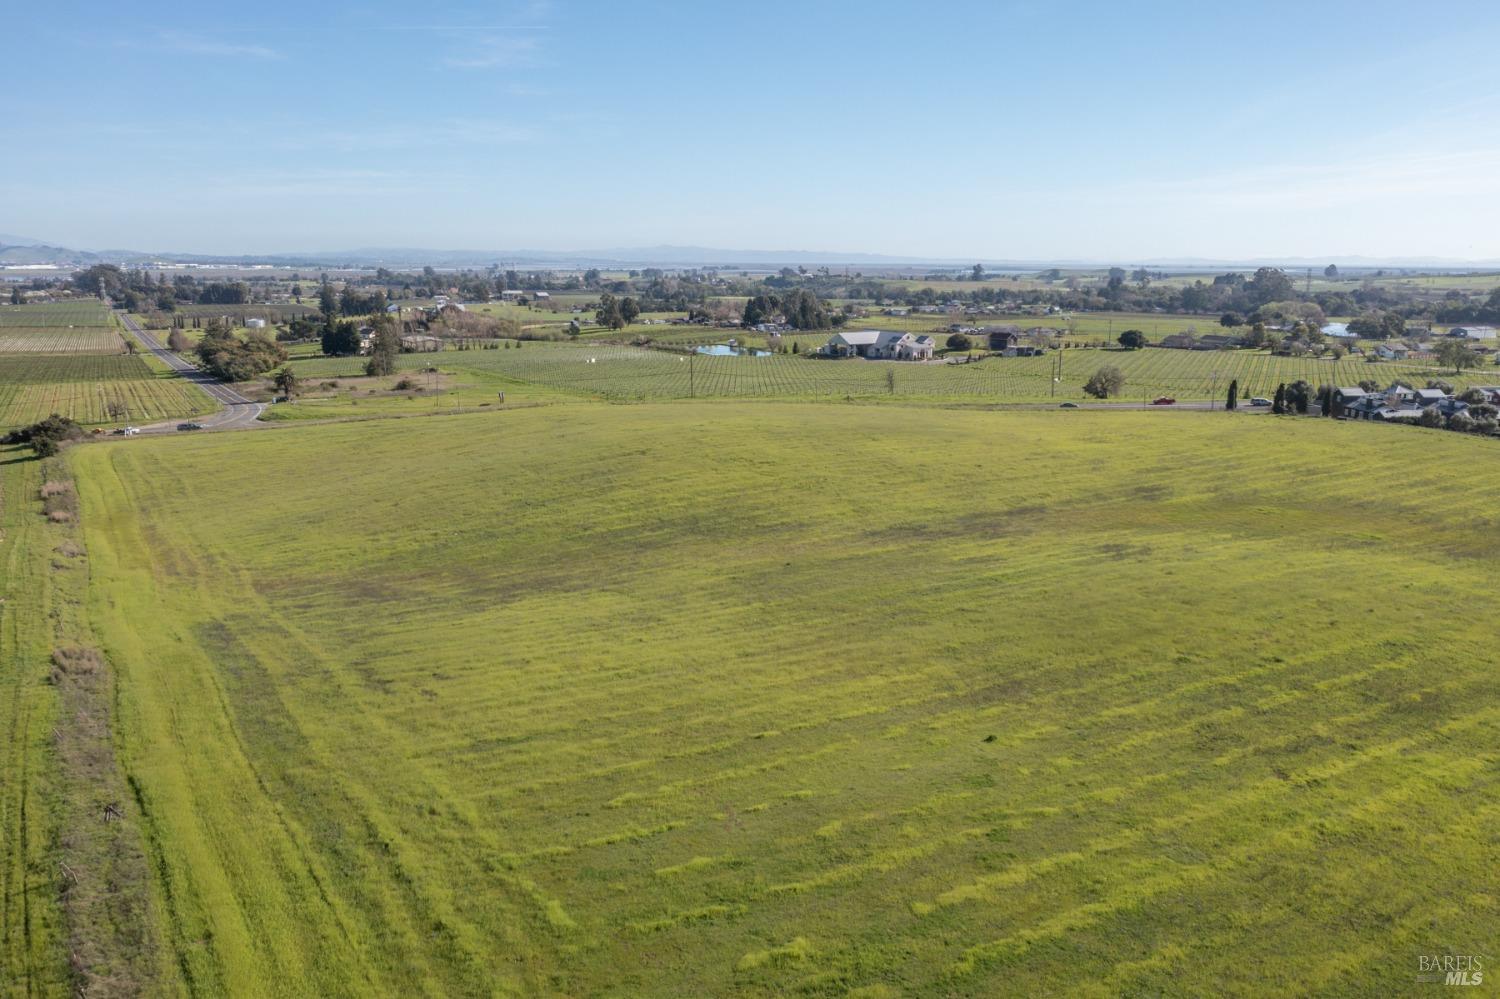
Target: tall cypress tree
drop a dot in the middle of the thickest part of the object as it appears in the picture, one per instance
(1279, 403)
(1234, 395)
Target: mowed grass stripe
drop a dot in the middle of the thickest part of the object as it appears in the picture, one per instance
(822, 667)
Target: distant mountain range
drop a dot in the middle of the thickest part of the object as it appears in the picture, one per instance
(21, 251)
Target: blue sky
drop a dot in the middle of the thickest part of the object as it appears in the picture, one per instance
(1108, 131)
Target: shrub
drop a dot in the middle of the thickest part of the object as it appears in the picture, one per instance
(48, 436)
(1105, 382)
(959, 341)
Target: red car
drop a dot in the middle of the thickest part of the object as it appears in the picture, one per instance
(1164, 400)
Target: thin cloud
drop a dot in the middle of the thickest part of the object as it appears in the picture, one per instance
(496, 52)
(177, 41)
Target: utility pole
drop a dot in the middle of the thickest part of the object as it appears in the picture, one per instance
(692, 384)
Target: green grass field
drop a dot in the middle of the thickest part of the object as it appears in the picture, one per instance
(633, 373)
(763, 698)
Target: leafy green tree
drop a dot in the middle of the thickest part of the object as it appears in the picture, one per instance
(1299, 396)
(328, 302)
(226, 356)
(1132, 339)
(384, 348)
(1105, 382)
(1456, 354)
(340, 338)
(286, 382)
(760, 309)
(630, 310)
(958, 341)
(1278, 403)
(46, 437)
(1269, 285)
(609, 313)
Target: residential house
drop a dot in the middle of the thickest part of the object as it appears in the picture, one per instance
(1399, 402)
(420, 344)
(1217, 341)
(255, 324)
(1003, 338)
(1346, 397)
(878, 345)
(1179, 341)
(1428, 397)
(1391, 351)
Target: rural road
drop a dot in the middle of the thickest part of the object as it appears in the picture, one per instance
(236, 412)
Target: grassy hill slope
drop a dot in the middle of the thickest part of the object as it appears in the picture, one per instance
(768, 698)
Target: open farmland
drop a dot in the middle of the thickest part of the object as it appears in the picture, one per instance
(82, 327)
(634, 373)
(93, 389)
(772, 699)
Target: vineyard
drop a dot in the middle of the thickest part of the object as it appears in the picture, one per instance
(60, 340)
(93, 389)
(274, 313)
(87, 312)
(84, 327)
(636, 373)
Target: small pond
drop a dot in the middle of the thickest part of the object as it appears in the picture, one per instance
(726, 350)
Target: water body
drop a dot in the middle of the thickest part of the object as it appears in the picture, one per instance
(725, 350)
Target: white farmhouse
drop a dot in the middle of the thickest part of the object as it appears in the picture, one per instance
(879, 345)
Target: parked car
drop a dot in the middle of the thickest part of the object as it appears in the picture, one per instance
(1163, 400)
(189, 426)
(130, 431)
(1068, 405)
(1258, 401)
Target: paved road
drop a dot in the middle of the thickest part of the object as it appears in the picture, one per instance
(235, 413)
